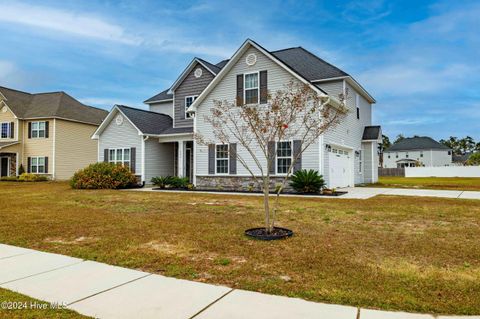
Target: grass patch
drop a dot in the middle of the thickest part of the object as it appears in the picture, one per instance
(414, 254)
(448, 183)
(32, 310)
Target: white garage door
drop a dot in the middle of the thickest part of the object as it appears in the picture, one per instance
(339, 165)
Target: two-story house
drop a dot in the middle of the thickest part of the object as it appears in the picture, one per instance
(161, 141)
(417, 151)
(46, 133)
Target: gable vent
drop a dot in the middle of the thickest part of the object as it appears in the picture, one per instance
(251, 59)
(197, 73)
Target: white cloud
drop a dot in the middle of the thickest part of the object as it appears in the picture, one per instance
(415, 77)
(68, 22)
(108, 103)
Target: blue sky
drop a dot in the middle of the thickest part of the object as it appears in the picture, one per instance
(419, 59)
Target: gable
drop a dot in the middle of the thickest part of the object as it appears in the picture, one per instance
(190, 86)
(6, 114)
(277, 77)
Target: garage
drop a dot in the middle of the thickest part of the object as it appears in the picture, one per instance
(339, 168)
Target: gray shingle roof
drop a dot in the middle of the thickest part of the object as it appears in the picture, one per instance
(222, 63)
(307, 64)
(146, 121)
(417, 143)
(371, 133)
(214, 68)
(178, 130)
(162, 96)
(55, 104)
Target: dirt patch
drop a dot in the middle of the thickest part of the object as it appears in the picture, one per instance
(76, 241)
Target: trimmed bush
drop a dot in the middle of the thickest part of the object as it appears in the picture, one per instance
(163, 182)
(30, 177)
(304, 181)
(103, 176)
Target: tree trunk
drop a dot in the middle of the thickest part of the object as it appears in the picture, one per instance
(266, 203)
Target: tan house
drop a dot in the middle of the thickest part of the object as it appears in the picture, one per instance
(46, 133)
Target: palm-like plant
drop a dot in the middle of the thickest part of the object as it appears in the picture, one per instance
(307, 181)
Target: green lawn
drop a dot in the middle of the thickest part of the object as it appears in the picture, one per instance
(449, 183)
(30, 308)
(397, 253)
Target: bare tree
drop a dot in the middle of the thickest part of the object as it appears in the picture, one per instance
(297, 112)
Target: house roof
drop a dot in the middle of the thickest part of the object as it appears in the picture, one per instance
(53, 104)
(372, 133)
(417, 143)
(146, 121)
(5, 144)
(162, 96)
(310, 66)
(299, 60)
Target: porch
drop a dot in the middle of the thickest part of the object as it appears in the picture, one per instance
(9, 157)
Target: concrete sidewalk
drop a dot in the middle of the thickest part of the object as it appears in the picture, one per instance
(353, 193)
(104, 291)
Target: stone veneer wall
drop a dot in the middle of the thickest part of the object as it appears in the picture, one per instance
(235, 183)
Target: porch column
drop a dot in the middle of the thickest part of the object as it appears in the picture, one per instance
(181, 161)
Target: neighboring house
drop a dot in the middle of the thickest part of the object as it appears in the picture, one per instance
(461, 160)
(162, 141)
(417, 151)
(46, 133)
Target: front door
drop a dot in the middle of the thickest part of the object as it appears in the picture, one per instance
(4, 166)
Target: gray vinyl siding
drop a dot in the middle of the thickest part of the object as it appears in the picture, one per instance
(121, 136)
(226, 90)
(163, 107)
(158, 159)
(190, 86)
(349, 131)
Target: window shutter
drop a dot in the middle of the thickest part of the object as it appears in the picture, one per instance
(133, 159)
(239, 89)
(29, 161)
(12, 129)
(211, 159)
(263, 87)
(105, 155)
(46, 165)
(29, 131)
(46, 129)
(233, 158)
(297, 149)
(271, 156)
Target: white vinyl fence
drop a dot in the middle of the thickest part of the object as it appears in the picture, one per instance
(443, 171)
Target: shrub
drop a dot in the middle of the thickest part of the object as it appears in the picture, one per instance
(474, 159)
(21, 170)
(162, 182)
(307, 181)
(30, 177)
(103, 176)
(8, 178)
(171, 182)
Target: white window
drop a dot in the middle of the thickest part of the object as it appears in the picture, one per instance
(284, 156)
(119, 156)
(360, 162)
(5, 133)
(251, 88)
(189, 101)
(221, 159)
(38, 129)
(37, 165)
